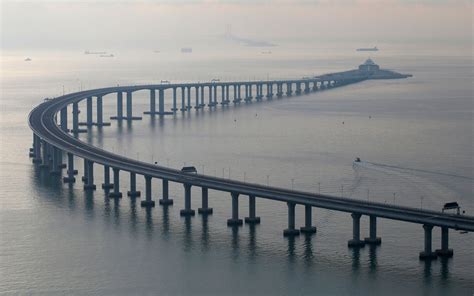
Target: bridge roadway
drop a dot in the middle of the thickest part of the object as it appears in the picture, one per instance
(42, 120)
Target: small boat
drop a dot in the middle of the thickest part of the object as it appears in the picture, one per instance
(106, 56)
(357, 159)
(27, 60)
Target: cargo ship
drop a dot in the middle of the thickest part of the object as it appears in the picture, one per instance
(368, 49)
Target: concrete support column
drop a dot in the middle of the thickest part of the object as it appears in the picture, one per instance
(235, 94)
(152, 102)
(116, 193)
(308, 220)
(209, 104)
(223, 88)
(355, 241)
(183, 99)
(165, 200)
(119, 107)
(188, 107)
(315, 86)
(227, 97)
(36, 149)
(89, 111)
(54, 167)
(197, 104)
(133, 186)
(250, 91)
(100, 114)
(373, 239)
(234, 221)
(214, 102)
(187, 211)
(289, 91)
(90, 176)
(63, 119)
(107, 185)
(427, 254)
(148, 202)
(86, 171)
(291, 231)
(129, 105)
(445, 251)
(45, 163)
(174, 109)
(75, 119)
(252, 219)
(205, 209)
(161, 102)
(70, 169)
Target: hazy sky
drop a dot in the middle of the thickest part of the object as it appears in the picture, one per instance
(67, 24)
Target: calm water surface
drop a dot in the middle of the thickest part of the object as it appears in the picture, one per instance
(415, 137)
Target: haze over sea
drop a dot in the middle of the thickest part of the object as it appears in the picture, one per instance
(414, 136)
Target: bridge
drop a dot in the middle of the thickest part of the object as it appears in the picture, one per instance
(53, 139)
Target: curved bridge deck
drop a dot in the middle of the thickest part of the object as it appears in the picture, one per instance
(51, 139)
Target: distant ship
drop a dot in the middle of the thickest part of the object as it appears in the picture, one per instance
(186, 50)
(267, 52)
(27, 60)
(106, 56)
(94, 52)
(368, 49)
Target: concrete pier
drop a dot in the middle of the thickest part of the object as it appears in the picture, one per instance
(116, 193)
(85, 171)
(355, 241)
(428, 254)
(75, 119)
(234, 221)
(189, 107)
(187, 211)
(197, 104)
(107, 185)
(89, 119)
(252, 218)
(119, 115)
(54, 168)
(205, 209)
(445, 251)
(373, 239)
(63, 119)
(100, 113)
(174, 109)
(148, 202)
(133, 186)
(129, 108)
(291, 231)
(152, 103)
(165, 200)
(183, 99)
(308, 228)
(90, 176)
(70, 169)
(37, 149)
